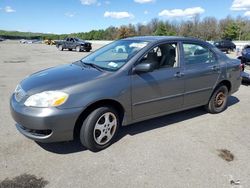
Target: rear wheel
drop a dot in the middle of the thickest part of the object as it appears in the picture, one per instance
(99, 128)
(218, 101)
(87, 50)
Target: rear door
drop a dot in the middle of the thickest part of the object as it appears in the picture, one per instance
(201, 72)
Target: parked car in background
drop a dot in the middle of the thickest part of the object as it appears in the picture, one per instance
(74, 43)
(245, 77)
(1, 39)
(225, 45)
(124, 82)
(24, 41)
(245, 74)
(245, 57)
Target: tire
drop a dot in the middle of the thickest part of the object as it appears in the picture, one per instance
(218, 100)
(87, 50)
(70, 49)
(99, 128)
(78, 48)
(243, 60)
(60, 47)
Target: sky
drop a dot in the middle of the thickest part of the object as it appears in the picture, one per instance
(70, 16)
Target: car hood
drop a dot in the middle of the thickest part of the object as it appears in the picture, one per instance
(59, 78)
(81, 42)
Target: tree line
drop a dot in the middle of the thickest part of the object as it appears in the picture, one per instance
(208, 28)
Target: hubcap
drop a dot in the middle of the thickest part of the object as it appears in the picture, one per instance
(105, 128)
(219, 99)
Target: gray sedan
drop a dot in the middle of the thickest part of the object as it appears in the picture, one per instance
(127, 81)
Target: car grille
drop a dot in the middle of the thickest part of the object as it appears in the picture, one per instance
(19, 93)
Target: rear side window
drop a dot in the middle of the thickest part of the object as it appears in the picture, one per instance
(197, 54)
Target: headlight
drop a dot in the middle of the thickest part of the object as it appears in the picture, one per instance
(47, 99)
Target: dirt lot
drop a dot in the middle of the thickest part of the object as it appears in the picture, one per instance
(187, 149)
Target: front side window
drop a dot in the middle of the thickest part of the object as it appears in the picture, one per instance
(197, 54)
(162, 56)
(116, 54)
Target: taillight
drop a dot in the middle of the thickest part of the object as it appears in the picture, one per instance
(242, 67)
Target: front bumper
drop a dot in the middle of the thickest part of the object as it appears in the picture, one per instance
(86, 47)
(44, 124)
(245, 77)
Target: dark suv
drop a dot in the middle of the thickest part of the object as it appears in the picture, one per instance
(225, 45)
(74, 43)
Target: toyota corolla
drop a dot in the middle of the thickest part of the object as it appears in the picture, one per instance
(124, 82)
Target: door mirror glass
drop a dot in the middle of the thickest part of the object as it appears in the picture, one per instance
(143, 67)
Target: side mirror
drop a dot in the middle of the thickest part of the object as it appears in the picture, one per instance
(143, 67)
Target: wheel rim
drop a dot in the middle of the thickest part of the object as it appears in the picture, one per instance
(220, 99)
(105, 128)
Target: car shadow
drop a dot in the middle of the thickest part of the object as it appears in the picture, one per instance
(166, 120)
(68, 147)
(133, 129)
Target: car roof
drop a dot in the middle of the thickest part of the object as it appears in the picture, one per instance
(153, 39)
(162, 38)
(157, 38)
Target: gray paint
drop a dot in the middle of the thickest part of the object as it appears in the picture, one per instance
(142, 95)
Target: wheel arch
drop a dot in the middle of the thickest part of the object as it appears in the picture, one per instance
(227, 83)
(105, 102)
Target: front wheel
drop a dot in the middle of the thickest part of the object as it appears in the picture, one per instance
(78, 48)
(99, 128)
(218, 101)
(60, 47)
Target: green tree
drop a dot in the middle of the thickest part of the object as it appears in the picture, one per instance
(231, 31)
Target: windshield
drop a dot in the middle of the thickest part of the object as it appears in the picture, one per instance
(115, 55)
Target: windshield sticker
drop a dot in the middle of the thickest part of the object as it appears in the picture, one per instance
(113, 64)
(138, 45)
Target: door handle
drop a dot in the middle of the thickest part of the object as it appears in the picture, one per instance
(179, 74)
(215, 68)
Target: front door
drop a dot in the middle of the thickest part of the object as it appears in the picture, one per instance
(160, 91)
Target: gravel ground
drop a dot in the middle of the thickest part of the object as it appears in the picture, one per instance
(186, 149)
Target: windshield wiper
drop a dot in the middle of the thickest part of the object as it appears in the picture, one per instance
(93, 65)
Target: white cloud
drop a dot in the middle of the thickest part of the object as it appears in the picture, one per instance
(88, 2)
(8, 9)
(144, 1)
(118, 15)
(107, 2)
(240, 5)
(247, 14)
(189, 12)
(69, 14)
